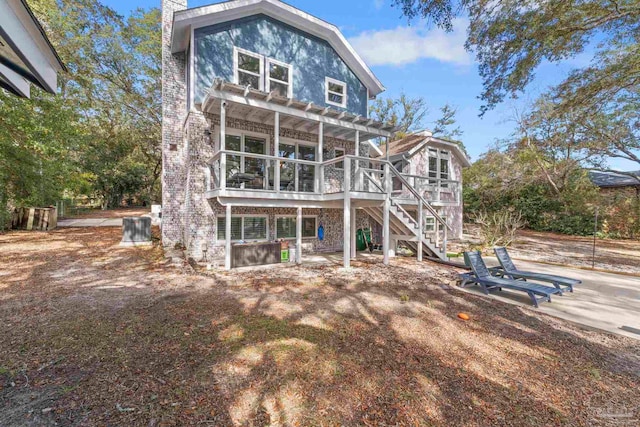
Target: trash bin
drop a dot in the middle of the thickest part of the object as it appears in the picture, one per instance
(361, 243)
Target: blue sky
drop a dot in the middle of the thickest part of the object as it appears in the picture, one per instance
(420, 60)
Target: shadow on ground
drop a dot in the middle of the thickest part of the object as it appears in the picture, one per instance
(101, 335)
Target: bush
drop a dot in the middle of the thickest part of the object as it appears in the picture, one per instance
(499, 228)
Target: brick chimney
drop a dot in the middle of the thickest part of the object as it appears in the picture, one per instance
(174, 111)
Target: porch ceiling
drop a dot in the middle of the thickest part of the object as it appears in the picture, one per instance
(260, 107)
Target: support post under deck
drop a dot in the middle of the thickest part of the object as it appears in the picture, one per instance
(346, 236)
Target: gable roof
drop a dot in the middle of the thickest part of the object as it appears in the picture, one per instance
(186, 20)
(413, 143)
(611, 179)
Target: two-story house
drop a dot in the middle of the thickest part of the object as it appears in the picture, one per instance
(266, 136)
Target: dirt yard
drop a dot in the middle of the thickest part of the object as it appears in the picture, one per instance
(93, 334)
(611, 254)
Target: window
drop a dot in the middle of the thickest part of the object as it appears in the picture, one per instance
(440, 225)
(279, 78)
(294, 176)
(429, 224)
(262, 73)
(244, 227)
(248, 68)
(335, 92)
(243, 171)
(339, 152)
(286, 227)
(309, 228)
(439, 167)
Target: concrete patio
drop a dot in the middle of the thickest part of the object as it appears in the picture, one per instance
(90, 222)
(606, 301)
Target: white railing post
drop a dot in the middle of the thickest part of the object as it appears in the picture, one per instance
(320, 159)
(227, 250)
(223, 156)
(276, 152)
(420, 230)
(346, 237)
(299, 236)
(385, 216)
(444, 243)
(358, 175)
(353, 233)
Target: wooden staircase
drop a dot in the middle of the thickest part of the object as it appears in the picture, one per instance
(405, 228)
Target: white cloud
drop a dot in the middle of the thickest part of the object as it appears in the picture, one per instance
(404, 45)
(378, 4)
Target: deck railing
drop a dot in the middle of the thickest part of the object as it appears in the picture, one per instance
(261, 172)
(348, 174)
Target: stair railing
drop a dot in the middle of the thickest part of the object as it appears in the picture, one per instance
(421, 202)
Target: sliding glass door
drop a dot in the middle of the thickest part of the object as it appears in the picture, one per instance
(294, 176)
(246, 171)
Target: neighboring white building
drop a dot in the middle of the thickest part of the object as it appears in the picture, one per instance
(26, 55)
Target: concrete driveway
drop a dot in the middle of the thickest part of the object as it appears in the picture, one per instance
(91, 222)
(606, 301)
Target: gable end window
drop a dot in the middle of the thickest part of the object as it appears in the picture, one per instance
(248, 68)
(279, 78)
(262, 73)
(335, 92)
(439, 167)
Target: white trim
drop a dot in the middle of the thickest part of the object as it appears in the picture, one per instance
(192, 67)
(315, 231)
(328, 92)
(434, 143)
(268, 77)
(221, 94)
(228, 11)
(15, 81)
(23, 35)
(243, 216)
(236, 70)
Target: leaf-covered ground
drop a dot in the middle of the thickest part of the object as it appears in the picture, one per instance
(93, 334)
(616, 255)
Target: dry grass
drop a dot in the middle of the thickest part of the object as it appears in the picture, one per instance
(94, 334)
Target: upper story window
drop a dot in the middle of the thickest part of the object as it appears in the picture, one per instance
(262, 73)
(279, 78)
(248, 68)
(439, 166)
(335, 92)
